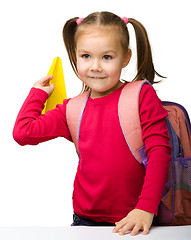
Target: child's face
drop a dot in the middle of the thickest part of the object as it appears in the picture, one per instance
(100, 59)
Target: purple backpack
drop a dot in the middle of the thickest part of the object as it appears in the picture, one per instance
(175, 205)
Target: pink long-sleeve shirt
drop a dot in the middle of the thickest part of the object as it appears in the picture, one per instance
(109, 182)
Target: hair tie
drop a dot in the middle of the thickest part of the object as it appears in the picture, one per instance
(79, 20)
(125, 19)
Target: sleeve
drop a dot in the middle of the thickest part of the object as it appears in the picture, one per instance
(156, 139)
(32, 127)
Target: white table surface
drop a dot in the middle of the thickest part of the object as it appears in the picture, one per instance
(90, 233)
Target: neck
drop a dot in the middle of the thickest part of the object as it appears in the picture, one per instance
(94, 94)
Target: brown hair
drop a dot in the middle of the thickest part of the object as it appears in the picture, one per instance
(145, 66)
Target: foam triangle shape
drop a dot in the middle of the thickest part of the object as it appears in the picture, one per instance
(59, 93)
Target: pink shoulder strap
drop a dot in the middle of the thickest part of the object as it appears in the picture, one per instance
(74, 112)
(128, 110)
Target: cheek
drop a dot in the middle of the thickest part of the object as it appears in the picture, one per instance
(114, 70)
(81, 68)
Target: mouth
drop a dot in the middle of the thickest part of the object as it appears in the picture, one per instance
(96, 77)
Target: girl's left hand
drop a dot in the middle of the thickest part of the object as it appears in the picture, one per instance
(135, 221)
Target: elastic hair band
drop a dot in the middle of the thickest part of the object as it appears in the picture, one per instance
(125, 19)
(79, 20)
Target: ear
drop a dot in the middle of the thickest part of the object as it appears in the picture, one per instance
(127, 58)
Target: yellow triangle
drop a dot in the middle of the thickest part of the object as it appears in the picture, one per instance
(59, 93)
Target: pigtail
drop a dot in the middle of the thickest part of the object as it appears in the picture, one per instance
(145, 66)
(69, 31)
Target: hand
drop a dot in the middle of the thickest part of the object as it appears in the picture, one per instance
(43, 84)
(136, 220)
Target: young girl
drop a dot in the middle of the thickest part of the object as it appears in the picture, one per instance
(110, 187)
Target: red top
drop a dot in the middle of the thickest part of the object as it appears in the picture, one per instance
(109, 181)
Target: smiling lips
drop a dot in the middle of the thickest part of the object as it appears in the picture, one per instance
(97, 77)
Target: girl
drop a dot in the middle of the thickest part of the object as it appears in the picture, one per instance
(110, 187)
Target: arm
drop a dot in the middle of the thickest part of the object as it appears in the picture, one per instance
(32, 127)
(157, 147)
(155, 135)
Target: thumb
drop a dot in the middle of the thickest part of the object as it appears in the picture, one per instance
(50, 89)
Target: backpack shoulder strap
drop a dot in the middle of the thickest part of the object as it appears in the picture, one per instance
(128, 110)
(74, 112)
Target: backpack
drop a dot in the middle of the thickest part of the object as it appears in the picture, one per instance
(175, 204)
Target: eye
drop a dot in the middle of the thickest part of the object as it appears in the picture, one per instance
(86, 56)
(107, 57)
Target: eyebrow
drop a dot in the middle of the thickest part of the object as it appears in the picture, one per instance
(82, 51)
(110, 51)
(104, 52)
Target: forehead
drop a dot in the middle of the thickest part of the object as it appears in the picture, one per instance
(99, 36)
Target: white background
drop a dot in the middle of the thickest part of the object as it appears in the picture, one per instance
(36, 182)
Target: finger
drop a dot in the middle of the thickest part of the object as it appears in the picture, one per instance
(52, 87)
(49, 89)
(45, 80)
(126, 228)
(135, 230)
(119, 225)
(146, 230)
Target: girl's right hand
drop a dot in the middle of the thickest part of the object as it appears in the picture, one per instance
(43, 84)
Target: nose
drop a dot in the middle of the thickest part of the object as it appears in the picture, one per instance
(96, 67)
